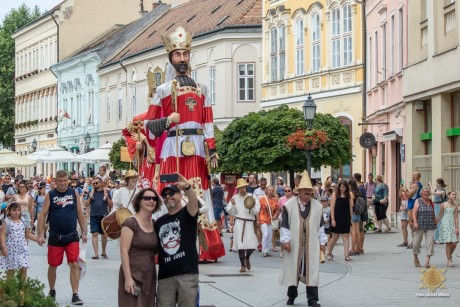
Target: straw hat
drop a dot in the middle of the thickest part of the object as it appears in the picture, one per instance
(131, 174)
(249, 202)
(305, 182)
(241, 183)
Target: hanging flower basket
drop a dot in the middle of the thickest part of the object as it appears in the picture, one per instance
(307, 139)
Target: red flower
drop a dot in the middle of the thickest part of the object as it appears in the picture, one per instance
(307, 139)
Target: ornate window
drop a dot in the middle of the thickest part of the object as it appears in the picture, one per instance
(316, 43)
(336, 37)
(274, 54)
(212, 85)
(246, 82)
(300, 47)
(108, 106)
(347, 35)
(120, 105)
(282, 52)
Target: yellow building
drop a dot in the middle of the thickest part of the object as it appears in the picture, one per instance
(315, 47)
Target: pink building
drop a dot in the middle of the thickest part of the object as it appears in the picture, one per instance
(386, 37)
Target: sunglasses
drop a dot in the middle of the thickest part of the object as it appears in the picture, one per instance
(74, 187)
(287, 190)
(170, 194)
(149, 198)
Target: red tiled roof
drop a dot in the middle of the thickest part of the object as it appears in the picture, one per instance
(196, 16)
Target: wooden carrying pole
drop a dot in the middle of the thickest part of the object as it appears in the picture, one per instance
(174, 98)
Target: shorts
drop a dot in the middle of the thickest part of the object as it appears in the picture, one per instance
(404, 215)
(56, 253)
(218, 212)
(327, 230)
(356, 218)
(95, 223)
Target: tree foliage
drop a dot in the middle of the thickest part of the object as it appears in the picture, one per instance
(257, 142)
(114, 156)
(13, 21)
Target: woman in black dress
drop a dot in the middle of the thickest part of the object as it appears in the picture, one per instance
(341, 212)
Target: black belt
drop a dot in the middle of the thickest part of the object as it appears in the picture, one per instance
(198, 131)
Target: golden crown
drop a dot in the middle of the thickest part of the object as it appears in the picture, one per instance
(179, 39)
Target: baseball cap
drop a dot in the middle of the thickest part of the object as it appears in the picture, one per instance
(170, 187)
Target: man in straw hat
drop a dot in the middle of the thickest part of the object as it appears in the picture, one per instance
(245, 208)
(302, 236)
(124, 196)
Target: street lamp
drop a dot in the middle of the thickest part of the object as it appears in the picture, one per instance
(87, 141)
(309, 112)
(34, 145)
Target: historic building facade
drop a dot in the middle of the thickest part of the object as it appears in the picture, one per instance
(385, 110)
(315, 47)
(431, 91)
(226, 57)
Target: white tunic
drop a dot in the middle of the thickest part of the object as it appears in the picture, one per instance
(243, 232)
(122, 198)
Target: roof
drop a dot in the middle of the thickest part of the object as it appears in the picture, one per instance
(197, 16)
(113, 39)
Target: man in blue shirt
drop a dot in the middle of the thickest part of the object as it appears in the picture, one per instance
(101, 203)
(217, 201)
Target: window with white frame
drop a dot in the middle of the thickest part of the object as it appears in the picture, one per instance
(107, 103)
(90, 107)
(392, 25)
(336, 37)
(246, 82)
(79, 110)
(300, 47)
(384, 52)
(401, 38)
(370, 63)
(120, 105)
(274, 54)
(133, 96)
(212, 85)
(376, 58)
(347, 36)
(282, 52)
(316, 43)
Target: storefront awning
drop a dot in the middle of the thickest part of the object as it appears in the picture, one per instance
(392, 135)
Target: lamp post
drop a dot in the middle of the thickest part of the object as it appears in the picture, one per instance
(309, 112)
(34, 145)
(87, 141)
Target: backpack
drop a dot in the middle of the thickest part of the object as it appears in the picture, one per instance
(360, 205)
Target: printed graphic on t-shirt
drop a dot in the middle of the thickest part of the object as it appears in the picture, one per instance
(170, 239)
(63, 201)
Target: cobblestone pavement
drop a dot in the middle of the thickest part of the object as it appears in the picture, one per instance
(384, 276)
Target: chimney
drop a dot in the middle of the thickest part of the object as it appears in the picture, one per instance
(156, 4)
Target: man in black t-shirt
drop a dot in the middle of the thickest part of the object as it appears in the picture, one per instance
(63, 209)
(178, 256)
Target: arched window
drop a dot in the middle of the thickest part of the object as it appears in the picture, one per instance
(299, 47)
(336, 38)
(274, 54)
(282, 52)
(133, 96)
(316, 43)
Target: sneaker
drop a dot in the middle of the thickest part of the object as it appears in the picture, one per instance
(290, 301)
(53, 294)
(281, 255)
(76, 300)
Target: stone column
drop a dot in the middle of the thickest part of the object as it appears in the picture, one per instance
(440, 106)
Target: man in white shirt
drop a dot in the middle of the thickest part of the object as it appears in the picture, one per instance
(124, 196)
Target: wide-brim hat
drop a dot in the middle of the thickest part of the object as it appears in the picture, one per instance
(305, 182)
(241, 183)
(131, 174)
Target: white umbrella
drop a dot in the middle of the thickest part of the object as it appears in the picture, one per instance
(12, 159)
(100, 155)
(53, 155)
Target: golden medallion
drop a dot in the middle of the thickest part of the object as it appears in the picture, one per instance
(432, 278)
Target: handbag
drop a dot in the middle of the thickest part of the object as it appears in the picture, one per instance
(275, 222)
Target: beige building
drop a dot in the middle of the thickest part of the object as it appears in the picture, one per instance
(44, 42)
(431, 90)
(226, 57)
(315, 47)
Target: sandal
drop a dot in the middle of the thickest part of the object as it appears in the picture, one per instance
(104, 256)
(388, 230)
(243, 269)
(95, 257)
(450, 264)
(361, 251)
(330, 257)
(417, 263)
(409, 246)
(403, 244)
(274, 249)
(427, 265)
(347, 258)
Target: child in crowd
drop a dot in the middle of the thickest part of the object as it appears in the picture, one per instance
(326, 215)
(448, 233)
(13, 242)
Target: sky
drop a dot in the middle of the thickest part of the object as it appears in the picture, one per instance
(7, 5)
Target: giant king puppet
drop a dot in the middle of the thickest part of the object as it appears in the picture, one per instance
(179, 122)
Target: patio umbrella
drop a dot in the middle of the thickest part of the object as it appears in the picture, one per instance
(9, 158)
(100, 155)
(53, 155)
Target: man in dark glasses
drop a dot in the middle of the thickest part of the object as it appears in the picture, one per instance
(178, 255)
(101, 204)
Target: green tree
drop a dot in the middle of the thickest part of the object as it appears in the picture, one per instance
(257, 142)
(13, 21)
(114, 156)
